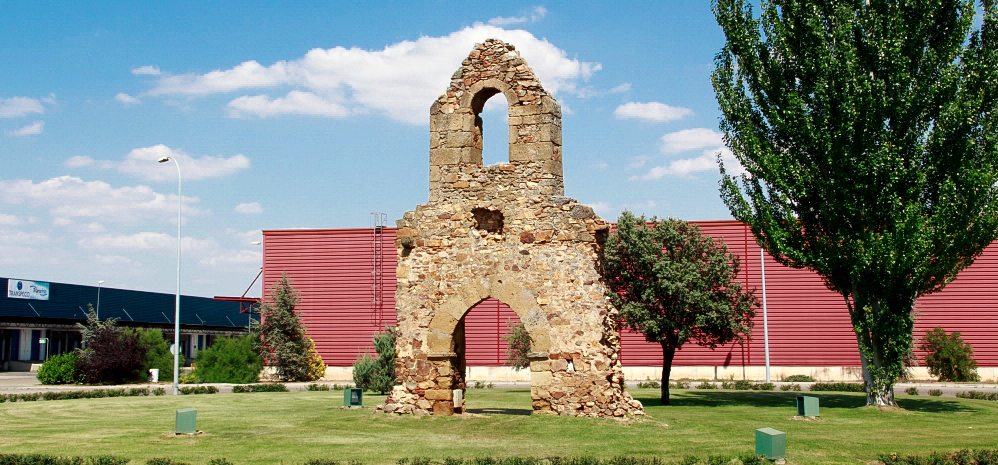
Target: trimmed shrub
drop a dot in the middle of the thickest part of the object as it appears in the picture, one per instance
(960, 457)
(164, 461)
(838, 387)
(198, 390)
(649, 384)
(799, 379)
(763, 387)
(265, 387)
(229, 360)
(978, 395)
(706, 385)
(317, 387)
(790, 387)
(935, 392)
(948, 357)
(60, 369)
(40, 459)
(912, 391)
(377, 374)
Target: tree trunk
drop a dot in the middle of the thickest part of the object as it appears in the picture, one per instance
(878, 374)
(668, 353)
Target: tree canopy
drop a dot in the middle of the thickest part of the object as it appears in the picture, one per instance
(867, 133)
(281, 339)
(675, 285)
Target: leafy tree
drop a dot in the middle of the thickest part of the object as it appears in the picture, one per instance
(675, 285)
(229, 360)
(867, 132)
(157, 351)
(280, 337)
(377, 373)
(948, 357)
(517, 346)
(109, 355)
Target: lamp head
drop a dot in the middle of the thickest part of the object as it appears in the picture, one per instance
(100, 282)
(164, 159)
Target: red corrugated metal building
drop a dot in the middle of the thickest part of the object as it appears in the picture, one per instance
(346, 278)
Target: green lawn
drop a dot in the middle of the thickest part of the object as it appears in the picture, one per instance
(290, 428)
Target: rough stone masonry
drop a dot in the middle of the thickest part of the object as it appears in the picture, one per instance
(505, 231)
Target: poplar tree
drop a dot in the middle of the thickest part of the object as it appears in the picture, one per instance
(675, 285)
(281, 339)
(867, 131)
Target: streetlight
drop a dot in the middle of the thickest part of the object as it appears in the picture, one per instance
(98, 299)
(176, 315)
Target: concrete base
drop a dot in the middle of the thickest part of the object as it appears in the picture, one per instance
(636, 374)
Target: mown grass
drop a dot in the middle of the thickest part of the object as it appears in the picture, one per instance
(292, 428)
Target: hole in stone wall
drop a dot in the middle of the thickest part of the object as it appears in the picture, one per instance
(488, 220)
(407, 245)
(492, 122)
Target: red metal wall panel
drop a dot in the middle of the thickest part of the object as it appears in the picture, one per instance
(808, 324)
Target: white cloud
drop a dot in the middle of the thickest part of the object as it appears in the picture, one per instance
(690, 139)
(399, 81)
(707, 161)
(32, 129)
(9, 220)
(250, 208)
(620, 88)
(148, 241)
(83, 161)
(69, 197)
(116, 260)
(611, 211)
(147, 70)
(233, 258)
(654, 112)
(536, 14)
(126, 99)
(142, 163)
(15, 107)
(295, 102)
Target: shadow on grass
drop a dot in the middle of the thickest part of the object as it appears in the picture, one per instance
(712, 398)
(500, 411)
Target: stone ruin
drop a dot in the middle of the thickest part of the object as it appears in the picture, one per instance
(505, 231)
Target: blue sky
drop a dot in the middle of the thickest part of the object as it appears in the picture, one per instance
(314, 116)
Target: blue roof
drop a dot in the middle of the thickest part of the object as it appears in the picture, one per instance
(69, 302)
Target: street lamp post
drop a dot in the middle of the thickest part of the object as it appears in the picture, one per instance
(98, 298)
(176, 315)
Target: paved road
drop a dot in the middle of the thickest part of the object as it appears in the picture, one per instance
(22, 382)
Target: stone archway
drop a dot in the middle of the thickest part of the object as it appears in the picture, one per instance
(505, 231)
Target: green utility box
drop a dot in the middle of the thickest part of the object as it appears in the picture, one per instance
(807, 406)
(770, 443)
(353, 397)
(187, 421)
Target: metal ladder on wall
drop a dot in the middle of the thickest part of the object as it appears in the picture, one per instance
(378, 269)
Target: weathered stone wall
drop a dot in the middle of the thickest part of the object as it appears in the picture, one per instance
(508, 232)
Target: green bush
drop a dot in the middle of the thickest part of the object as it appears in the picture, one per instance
(739, 385)
(377, 374)
(60, 369)
(157, 351)
(706, 385)
(838, 387)
(517, 346)
(164, 461)
(948, 357)
(281, 339)
(39, 459)
(198, 390)
(790, 387)
(935, 392)
(229, 360)
(978, 395)
(912, 391)
(960, 457)
(265, 387)
(763, 387)
(111, 355)
(799, 379)
(317, 387)
(649, 384)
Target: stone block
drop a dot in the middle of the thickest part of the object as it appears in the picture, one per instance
(443, 407)
(438, 394)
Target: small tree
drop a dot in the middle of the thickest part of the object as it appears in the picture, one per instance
(948, 357)
(229, 360)
(281, 339)
(109, 355)
(517, 346)
(377, 373)
(675, 285)
(157, 351)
